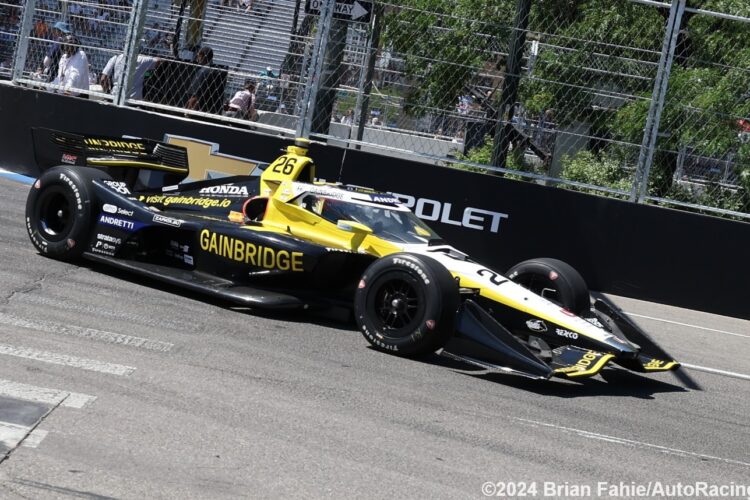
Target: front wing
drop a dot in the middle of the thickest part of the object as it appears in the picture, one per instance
(482, 341)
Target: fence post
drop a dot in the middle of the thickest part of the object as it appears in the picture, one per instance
(501, 143)
(22, 43)
(313, 83)
(661, 83)
(365, 83)
(132, 48)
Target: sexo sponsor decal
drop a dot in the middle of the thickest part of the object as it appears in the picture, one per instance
(566, 333)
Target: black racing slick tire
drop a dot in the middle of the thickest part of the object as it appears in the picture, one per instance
(406, 304)
(59, 211)
(554, 280)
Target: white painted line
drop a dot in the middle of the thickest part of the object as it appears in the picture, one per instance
(87, 333)
(27, 392)
(52, 397)
(689, 325)
(77, 400)
(716, 371)
(631, 442)
(62, 359)
(33, 439)
(12, 434)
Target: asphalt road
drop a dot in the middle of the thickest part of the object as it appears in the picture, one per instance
(116, 387)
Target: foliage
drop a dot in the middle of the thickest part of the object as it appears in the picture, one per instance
(603, 171)
(483, 155)
(444, 43)
(596, 63)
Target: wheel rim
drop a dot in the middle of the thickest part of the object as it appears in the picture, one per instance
(55, 214)
(396, 305)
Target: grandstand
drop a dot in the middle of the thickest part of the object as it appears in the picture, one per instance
(245, 43)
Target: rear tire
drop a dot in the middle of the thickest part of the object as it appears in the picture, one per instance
(406, 304)
(59, 211)
(554, 280)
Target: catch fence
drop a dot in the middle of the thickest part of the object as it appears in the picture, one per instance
(643, 100)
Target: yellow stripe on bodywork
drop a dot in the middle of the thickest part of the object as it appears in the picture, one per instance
(137, 164)
(296, 221)
(491, 294)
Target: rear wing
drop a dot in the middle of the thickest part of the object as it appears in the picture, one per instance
(53, 147)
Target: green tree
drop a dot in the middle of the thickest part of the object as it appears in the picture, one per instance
(596, 63)
(444, 43)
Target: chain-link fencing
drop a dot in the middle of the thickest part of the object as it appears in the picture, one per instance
(233, 61)
(69, 43)
(702, 154)
(638, 99)
(10, 21)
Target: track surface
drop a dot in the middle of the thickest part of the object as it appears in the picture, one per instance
(219, 403)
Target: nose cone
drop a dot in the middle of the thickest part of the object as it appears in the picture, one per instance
(622, 347)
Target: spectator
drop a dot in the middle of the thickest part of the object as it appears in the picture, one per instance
(242, 105)
(154, 36)
(248, 4)
(112, 74)
(9, 28)
(202, 92)
(348, 117)
(73, 69)
(268, 73)
(52, 59)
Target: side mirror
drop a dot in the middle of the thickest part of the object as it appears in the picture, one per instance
(354, 227)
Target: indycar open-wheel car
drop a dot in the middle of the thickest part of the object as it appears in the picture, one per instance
(282, 240)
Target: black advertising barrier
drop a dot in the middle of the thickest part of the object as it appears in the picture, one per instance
(639, 251)
(23, 109)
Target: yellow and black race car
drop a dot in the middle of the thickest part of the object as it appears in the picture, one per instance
(282, 240)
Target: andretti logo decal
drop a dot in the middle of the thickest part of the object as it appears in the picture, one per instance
(127, 225)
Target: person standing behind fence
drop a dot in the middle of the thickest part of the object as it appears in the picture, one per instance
(54, 52)
(201, 94)
(112, 74)
(73, 69)
(348, 117)
(242, 105)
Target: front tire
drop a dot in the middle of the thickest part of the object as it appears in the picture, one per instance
(554, 280)
(406, 304)
(59, 211)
